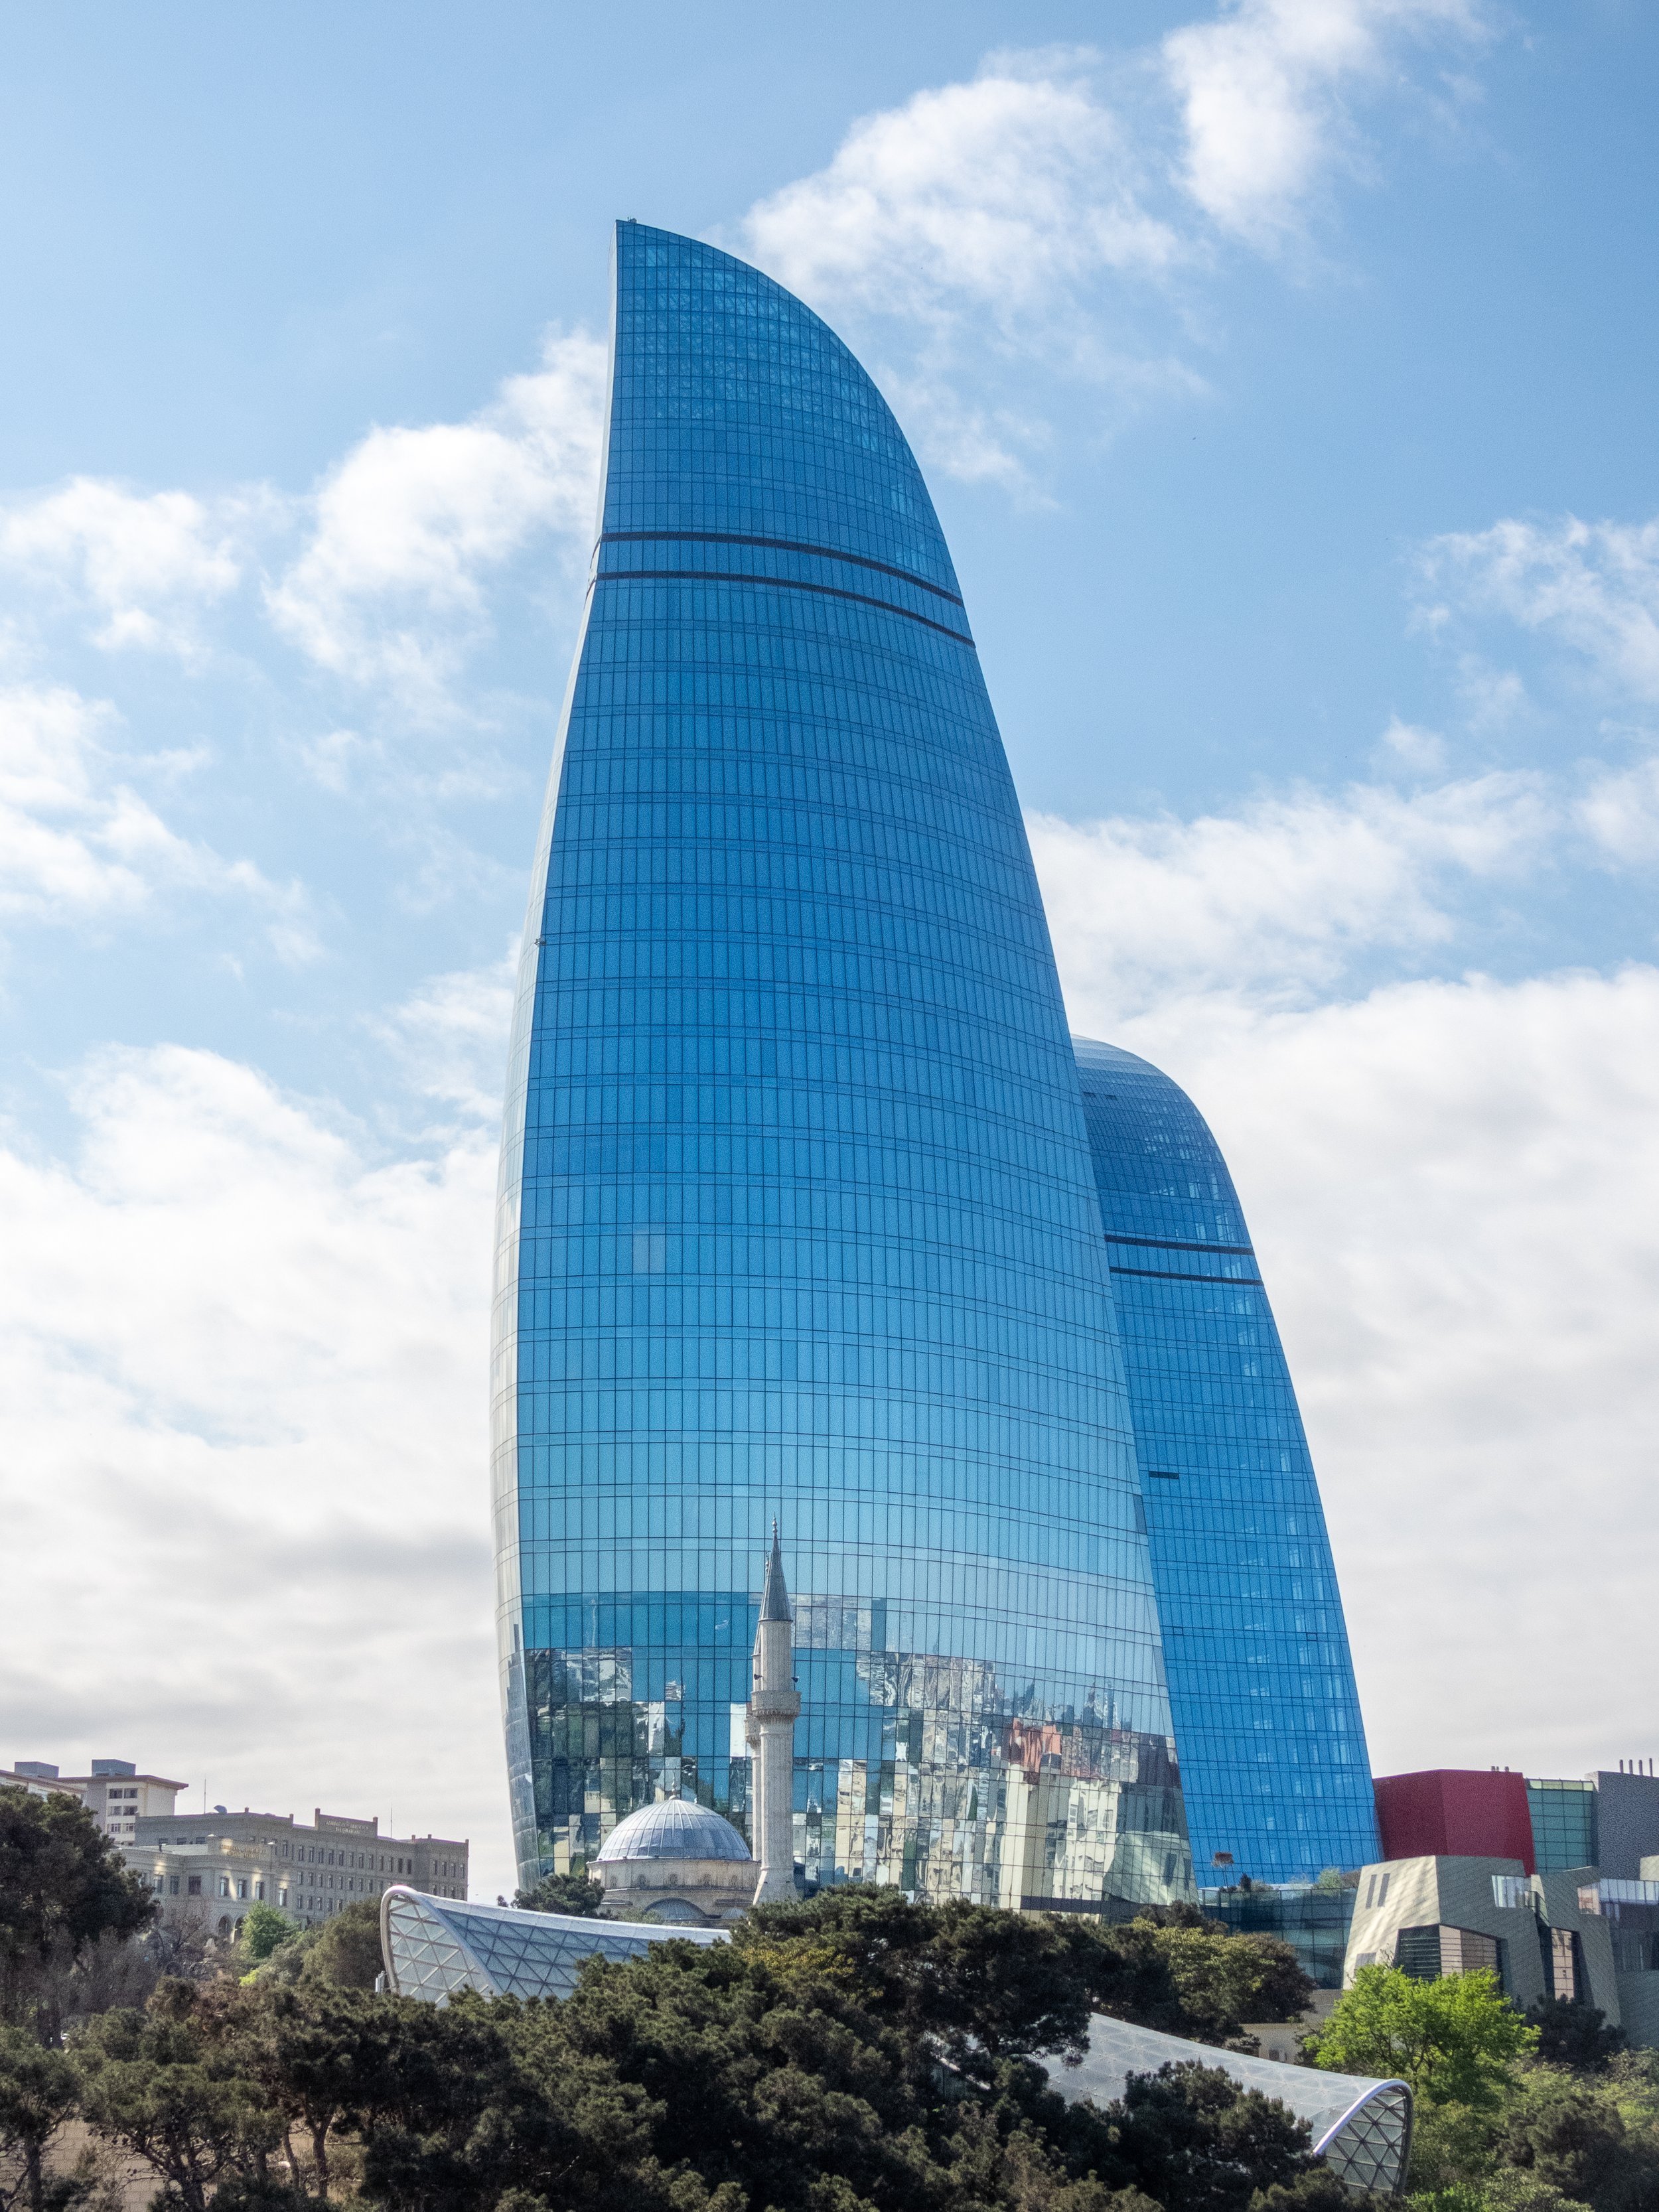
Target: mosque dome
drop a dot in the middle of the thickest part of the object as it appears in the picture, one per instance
(674, 1829)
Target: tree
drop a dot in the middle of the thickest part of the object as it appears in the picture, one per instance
(317, 2053)
(1456, 2040)
(562, 1892)
(1576, 2035)
(342, 1951)
(63, 1886)
(162, 2084)
(263, 1929)
(1221, 1980)
(37, 2094)
(1190, 2136)
(1565, 2132)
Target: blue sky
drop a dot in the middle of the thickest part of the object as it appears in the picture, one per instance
(1283, 373)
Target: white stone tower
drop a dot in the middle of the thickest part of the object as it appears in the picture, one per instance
(773, 1704)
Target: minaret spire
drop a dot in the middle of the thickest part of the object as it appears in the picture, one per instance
(773, 1706)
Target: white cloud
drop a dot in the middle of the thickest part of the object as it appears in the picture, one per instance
(77, 843)
(1620, 813)
(997, 222)
(389, 586)
(1593, 586)
(1264, 90)
(245, 1450)
(1452, 1187)
(999, 193)
(450, 1037)
(1276, 900)
(145, 561)
(1405, 745)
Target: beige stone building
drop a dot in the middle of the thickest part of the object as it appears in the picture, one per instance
(208, 1869)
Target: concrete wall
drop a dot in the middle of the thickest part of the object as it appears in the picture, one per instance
(1448, 1893)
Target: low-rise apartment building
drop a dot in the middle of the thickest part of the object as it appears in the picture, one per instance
(115, 1793)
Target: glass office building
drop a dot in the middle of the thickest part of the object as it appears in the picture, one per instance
(797, 1212)
(1273, 1765)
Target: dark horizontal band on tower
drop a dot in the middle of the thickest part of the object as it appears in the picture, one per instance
(778, 583)
(1174, 1275)
(1179, 1244)
(774, 545)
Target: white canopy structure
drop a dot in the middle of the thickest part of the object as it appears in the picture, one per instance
(1362, 2129)
(435, 1947)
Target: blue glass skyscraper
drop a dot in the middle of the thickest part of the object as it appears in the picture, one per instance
(1266, 1718)
(797, 1212)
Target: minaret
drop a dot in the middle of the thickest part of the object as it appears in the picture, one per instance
(773, 1706)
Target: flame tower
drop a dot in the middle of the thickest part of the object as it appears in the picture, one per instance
(797, 1212)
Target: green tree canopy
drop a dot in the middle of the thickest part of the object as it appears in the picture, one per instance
(37, 2094)
(562, 1892)
(1456, 2040)
(62, 1882)
(860, 2053)
(164, 2085)
(262, 1929)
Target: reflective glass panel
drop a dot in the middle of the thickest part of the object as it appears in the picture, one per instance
(797, 1212)
(1274, 1769)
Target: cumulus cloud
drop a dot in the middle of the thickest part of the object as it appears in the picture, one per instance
(1265, 91)
(389, 586)
(1017, 203)
(245, 1453)
(999, 192)
(1620, 813)
(1452, 1186)
(78, 842)
(450, 1036)
(144, 563)
(1592, 587)
(1276, 900)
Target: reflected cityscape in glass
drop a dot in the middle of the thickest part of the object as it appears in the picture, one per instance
(797, 1214)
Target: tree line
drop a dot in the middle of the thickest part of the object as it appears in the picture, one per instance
(858, 2052)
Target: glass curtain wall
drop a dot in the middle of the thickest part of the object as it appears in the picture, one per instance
(796, 1215)
(1274, 1769)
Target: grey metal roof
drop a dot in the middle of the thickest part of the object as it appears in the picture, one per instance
(1361, 2127)
(435, 1947)
(673, 1828)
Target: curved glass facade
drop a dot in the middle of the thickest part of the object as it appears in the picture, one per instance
(797, 1214)
(1266, 1718)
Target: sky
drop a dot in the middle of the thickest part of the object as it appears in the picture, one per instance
(1284, 375)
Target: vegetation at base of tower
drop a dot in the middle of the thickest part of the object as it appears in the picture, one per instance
(68, 1906)
(343, 1951)
(1456, 2040)
(563, 1893)
(860, 2053)
(1542, 2113)
(262, 1929)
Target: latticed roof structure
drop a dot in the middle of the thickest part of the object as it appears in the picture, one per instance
(1362, 2129)
(435, 1947)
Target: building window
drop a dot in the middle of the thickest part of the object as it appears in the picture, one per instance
(195, 1885)
(1564, 1964)
(259, 1892)
(224, 1885)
